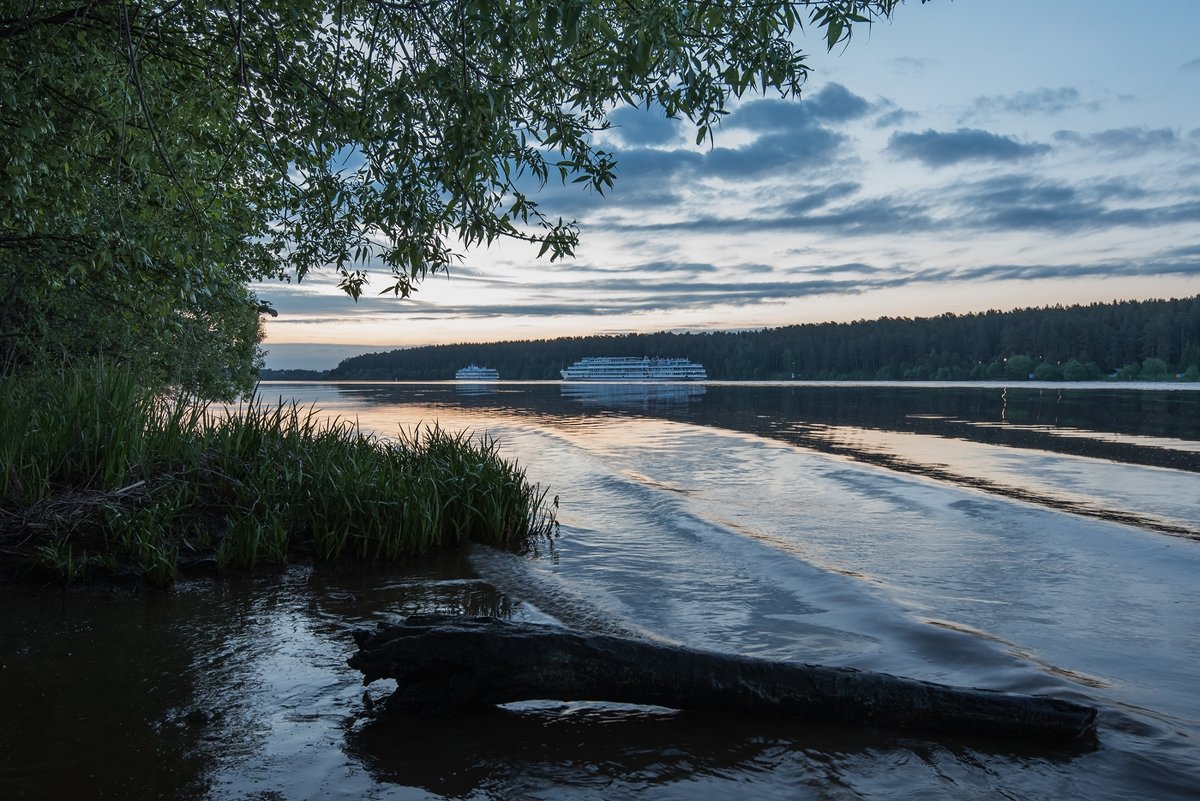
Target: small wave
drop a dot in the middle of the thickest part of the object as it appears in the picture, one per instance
(519, 579)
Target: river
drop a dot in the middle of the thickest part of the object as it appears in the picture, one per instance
(1035, 538)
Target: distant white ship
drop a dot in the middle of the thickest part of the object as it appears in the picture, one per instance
(631, 368)
(474, 373)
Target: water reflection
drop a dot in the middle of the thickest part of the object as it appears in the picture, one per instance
(609, 751)
(643, 396)
(1016, 442)
(95, 687)
(212, 691)
(1136, 426)
(476, 388)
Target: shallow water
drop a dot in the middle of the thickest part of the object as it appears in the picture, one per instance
(847, 526)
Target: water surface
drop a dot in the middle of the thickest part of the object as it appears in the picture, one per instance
(998, 537)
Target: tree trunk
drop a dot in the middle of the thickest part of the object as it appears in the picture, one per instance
(443, 663)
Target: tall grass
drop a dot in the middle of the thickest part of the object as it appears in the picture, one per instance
(97, 476)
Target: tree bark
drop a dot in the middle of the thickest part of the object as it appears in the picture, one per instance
(443, 663)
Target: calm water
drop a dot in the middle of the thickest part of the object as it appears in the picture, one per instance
(1011, 538)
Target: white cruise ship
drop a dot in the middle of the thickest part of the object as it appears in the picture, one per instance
(632, 368)
(473, 373)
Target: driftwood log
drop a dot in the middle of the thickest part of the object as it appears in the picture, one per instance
(443, 663)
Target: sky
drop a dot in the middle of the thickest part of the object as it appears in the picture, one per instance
(966, 155)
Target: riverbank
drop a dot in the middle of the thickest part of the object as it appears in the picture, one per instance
(99, 478)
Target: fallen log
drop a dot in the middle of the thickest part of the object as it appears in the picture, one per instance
(444, 663)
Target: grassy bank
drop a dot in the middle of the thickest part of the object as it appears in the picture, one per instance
(98, 477)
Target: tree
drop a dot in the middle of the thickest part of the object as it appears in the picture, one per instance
(1130, 372)
(1075, 370)
(207, 344)
(1154, 369)
(1019, 366)
(160, 153)
(1048, 372)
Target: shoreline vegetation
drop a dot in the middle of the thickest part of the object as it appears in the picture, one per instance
(1151, 340)
(100, 478)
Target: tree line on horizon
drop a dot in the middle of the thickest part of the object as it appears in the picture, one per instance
(1123, 340)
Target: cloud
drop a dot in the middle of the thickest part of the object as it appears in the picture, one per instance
(811, 201)
(1024, 202)
(753, 267)
(896, 116)
(646, 178)
(772, 154)
(912, 64)
(1037, 272)
(1185, 252)
(664, 285)
(1038, 101)
(650, 292)
(645, 127)
(657, 267)
(1122, 142)
(1134, 138)
(653, 177)
(862, 218)
(834, 103)
(941, 149)
(787, 136)
(1191, 66)
(1118, 189)
(849, 267)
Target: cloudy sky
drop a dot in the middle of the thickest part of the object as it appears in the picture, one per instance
(968, 155)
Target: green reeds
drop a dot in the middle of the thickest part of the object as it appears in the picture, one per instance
(97, 476)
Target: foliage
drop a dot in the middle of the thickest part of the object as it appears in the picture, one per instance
(1018, 366)
(1101, 339)
(207, 345)
(161, 155)
(1048, 372)
(98, 476)
(1075, 370)
(1154, 369)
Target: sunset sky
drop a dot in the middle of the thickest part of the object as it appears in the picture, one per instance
(968, 155)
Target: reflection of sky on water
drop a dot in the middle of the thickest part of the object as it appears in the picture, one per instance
(1171, 496)
(651, 506)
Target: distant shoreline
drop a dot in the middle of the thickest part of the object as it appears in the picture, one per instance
(1173, 384)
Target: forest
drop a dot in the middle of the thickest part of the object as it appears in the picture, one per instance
(1153, 340)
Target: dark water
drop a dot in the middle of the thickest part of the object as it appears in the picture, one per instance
(1010, 538)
